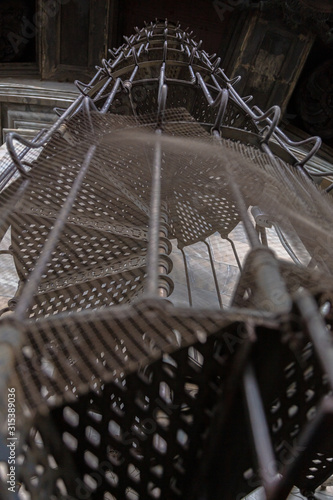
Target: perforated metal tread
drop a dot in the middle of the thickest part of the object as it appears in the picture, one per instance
(90, 294)
(129, 337)
(117, 186)
(80, 250)
(145, 432)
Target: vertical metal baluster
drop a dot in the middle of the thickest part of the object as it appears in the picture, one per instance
(100, 92)
(140, 49)
(165, 285)
(286, 245)
(320, 336)
(154, 219)
(214, 273)
(155, 205)
(110, 98)
(191, 73)
(187, 278)
(117, 61)
(235, 254)
(260, 432)
(155, 200)
(263, 236)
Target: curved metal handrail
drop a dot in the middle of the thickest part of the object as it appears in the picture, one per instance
(81, 103)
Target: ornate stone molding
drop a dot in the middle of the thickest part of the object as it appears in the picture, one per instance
(27, 105)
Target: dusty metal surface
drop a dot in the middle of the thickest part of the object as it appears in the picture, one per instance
(161, 182)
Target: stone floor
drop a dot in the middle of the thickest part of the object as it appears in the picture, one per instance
(200, 268)
(8, 275)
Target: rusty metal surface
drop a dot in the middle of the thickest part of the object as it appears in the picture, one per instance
(142, 191)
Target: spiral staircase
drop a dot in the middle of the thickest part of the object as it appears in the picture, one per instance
(123, 390)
